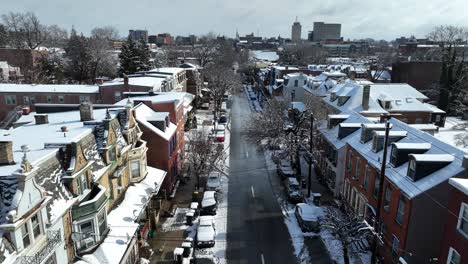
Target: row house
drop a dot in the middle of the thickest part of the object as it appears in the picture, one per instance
(178, 106)
(455, 246)
(67, 183)
(331, 143)
(194, 82)
(322, 84)
(401, 101)
(13, 97)
(415, 188)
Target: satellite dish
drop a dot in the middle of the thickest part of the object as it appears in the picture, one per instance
(76, 237)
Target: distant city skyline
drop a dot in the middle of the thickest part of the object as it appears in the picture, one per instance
(359, 19)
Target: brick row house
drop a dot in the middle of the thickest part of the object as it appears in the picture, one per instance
(455, 246)
(176, 106)
(67, 183)
(14, 97)
(401, 101)
(415, 187)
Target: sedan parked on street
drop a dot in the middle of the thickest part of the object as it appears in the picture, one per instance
(206, 232)
(309, 216)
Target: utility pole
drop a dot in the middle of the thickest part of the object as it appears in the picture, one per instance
(379, 196)
(310, 153)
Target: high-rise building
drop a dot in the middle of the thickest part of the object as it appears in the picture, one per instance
(296, 31)
(138, 34)
(325, 31)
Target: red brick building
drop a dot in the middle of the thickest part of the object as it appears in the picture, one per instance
(176, 105)
(455, 244)
(161, 137)
(415, 188)
(26, 59)
(14, 96)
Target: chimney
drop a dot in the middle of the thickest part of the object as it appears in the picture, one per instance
(126, 88)
(365, 97)
(41, 119)
(6, 153)
(287, 67)
(86, 111)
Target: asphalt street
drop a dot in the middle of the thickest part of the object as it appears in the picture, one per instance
(256, 232)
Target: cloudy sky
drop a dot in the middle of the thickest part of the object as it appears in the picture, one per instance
(359, 18)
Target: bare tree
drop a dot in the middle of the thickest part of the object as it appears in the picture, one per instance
(454, 71)
(25, 30)
(204, 155)
(348, 229)
(57, 37)
(221, 80)
(100, 48)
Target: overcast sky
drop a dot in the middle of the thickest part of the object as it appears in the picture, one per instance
(359, 18)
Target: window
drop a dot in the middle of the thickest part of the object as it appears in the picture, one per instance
(36, 226)
(365, 185)
(412, 169)
(61, 99)
(26, 100)
(358, 169)
(135, 167)
(296, 83)
(49, 99)
(87, 234)
(10, 99)
(395, 249)
(102, 223)
(394, 156)
(463, 219)
(81, 184)
(112, 155)
(117, 96)
(383, 229)
(376, 185)
(388, 196)
(25, 235)
(84, 98)
(401, 211)
(350, 161)
(437, 118)
(453, 257)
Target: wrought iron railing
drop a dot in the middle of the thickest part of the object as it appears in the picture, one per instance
(53, 239)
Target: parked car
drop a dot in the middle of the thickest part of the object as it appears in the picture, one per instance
(223, 107)
(206, 232)
(309, 217)
(209, 203)
(219, 127)
(222, 120)
(213, 183)
(220, 136)
(253, 96)
(205, 106)
(293, 190)
(284, 169)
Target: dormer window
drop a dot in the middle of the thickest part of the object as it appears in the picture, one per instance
(31, 230)
(342, 100)
(387, 105)
(422, 165)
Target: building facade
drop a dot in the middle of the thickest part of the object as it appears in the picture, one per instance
(326, 31)
(296, 31)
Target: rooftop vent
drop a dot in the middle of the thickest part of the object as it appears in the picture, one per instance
(41, 119)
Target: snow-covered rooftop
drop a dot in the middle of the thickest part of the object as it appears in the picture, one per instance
(144, 115)
(121, 220)
(454, 133)
(412, 145)
(164, 97)
(398, 175)
(48, 88)
(433, 157)
(460, 184)
(262, 55)
(50, 134)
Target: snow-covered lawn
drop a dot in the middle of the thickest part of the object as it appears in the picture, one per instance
(454, 127)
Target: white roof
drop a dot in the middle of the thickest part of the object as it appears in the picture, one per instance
(144, 115)
(398, 175)
(171, 70)
(460, 184)
(164, 97)
(341, 116)
(433, 157)
(151, 82)
(121, 220)
(412, 145)
(47, 133)
(391, 133)
(264, 55)
(48, 88)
